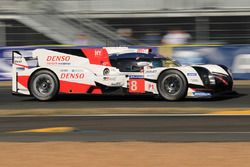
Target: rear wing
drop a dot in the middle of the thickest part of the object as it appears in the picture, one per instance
(19, 60)
(18, 63)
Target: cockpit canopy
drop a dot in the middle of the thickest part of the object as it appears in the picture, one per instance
(133, 62)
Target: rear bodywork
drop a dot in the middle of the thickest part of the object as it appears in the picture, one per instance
(92, 71)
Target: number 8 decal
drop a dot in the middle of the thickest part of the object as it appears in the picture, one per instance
(136, 86)
(133, 85)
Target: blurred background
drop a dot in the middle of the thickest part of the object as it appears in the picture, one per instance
(96, 22)
(191, 31)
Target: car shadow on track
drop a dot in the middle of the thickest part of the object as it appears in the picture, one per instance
(78, 97)
(223, 97)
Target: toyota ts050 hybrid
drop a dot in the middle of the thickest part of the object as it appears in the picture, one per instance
(44, 73)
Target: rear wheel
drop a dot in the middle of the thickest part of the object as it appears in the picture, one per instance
(44, 85)
(172, 85)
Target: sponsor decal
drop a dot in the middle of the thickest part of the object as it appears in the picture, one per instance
(190, 74)
(194, 80)
(72, 75)
(149, 75)
(116, 84)
(77, 70)
(58, 58)
(150, 71)
(97, 56)
(98, 52)
(17, 59)
(109, 78)
(136, 85)
(151, 86)
(135, 76)
(64, 63)
(142, 50)
(201, 94)
(64, 70)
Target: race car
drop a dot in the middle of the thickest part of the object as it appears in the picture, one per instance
(45, 73)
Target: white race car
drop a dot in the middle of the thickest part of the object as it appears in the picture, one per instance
(44, 73)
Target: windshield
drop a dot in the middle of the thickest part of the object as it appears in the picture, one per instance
(169, 62)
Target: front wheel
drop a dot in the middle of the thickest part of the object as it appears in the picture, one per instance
(44, 85)
(172, 85)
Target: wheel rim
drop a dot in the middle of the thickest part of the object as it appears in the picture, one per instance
(172, 84)
(43, 85)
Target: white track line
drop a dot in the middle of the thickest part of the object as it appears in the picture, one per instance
(208, 132)
(125, 115)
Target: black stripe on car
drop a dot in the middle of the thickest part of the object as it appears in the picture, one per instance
(75, 52)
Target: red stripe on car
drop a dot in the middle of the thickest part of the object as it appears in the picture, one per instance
(72, 87)
(96, 91)
(22, 66)
(97, 56)
(23, 80)
(222, 80)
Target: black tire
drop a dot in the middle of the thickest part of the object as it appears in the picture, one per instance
(172, 85)
(43, 85)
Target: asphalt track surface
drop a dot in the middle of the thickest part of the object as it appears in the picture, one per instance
(241, 99)
(127, 128)
(141, 128)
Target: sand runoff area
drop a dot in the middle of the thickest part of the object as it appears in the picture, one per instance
(124, 154)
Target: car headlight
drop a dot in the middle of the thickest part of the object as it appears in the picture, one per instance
(211, 79)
